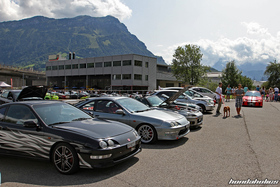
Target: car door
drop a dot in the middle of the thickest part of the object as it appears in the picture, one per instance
(106, 109)
(18, 138)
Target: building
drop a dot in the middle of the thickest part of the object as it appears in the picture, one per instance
(119, 72)
(18, 77)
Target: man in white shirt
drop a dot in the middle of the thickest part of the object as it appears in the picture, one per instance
(219, 97)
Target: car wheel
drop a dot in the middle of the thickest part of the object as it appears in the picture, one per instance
(203, 108)
(65, 158)
(148, 133)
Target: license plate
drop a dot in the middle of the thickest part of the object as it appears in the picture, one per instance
(130, 145)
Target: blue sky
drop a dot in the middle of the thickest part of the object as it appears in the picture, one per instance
(244, 31)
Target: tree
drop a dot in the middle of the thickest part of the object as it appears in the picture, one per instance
(230, 75)
(186, 66)
(273, 73)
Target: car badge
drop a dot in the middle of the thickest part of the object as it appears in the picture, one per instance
(128, 139)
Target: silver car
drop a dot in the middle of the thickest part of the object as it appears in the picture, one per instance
(205, 92)
(150, 124)
(195, 117)
(206, 104)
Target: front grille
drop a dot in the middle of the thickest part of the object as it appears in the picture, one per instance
(183, 131)
(128, 154)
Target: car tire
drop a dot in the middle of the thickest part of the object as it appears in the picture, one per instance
(202, 107)
(148, 133)
(65, 158)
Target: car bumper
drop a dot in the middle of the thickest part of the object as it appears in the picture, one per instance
(173, 133)
(118, 155)
(195, 121)
(210, 107)
(252, 104)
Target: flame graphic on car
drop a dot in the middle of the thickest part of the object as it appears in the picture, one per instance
(27, 143)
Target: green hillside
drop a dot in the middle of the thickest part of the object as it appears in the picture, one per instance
(29, 42)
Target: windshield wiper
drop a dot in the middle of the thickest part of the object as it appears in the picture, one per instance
(57, 123)
(80, 119)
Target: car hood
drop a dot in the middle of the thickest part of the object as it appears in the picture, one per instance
(163, 115)
(33, 91)
(96, 128)
(252, 97)
(175, 96)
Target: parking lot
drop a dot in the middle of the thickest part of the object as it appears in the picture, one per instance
(223, 149)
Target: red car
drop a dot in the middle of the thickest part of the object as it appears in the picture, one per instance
(252, 98)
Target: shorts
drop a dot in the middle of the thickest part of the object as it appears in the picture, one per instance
(238, 103)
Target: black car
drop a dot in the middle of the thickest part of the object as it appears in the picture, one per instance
(65, 135)
(27, 93)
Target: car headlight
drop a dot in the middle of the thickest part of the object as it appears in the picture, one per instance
(111, 143)
(174, 123)
(103, 144)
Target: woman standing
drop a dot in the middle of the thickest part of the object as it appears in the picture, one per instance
(270, 94)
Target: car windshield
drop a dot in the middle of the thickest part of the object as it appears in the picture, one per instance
(193, 94)
(132, 105)
(155, 101)
(254, 94)
(58, 113)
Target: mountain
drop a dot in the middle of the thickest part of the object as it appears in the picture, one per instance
(29, 42)
(255, 71)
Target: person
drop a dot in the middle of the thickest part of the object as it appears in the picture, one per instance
(228, 91)
(246, 89)
(219, 97)
(276, 91)
(262, 91)
(239, 93)
(258, 88)
(233, 92)
(270, 94)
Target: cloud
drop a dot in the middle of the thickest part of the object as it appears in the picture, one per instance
(259, 46)
(20, 9)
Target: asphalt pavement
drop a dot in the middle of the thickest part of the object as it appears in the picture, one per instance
(223, 149)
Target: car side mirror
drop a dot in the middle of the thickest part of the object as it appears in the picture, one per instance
(120, 111)
(30, 124)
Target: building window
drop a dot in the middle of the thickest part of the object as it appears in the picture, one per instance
(117, 63)
(98, 64)
(126, 63)
(68, 66)
(126, 76)
(137, 77)
(117, 77)
(146, 77)
(90, 65)
(137, 63)
(48, 68)
(54, 67)
(147, 64)
(60, 67)
(83, 66)
(107, 64)
(74, 66)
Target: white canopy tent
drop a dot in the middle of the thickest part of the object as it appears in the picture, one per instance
(4, 85)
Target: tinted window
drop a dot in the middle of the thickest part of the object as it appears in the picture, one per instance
(2, 113)
(88, 106)
(132, 105)
(107, 106)
(18, 114)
